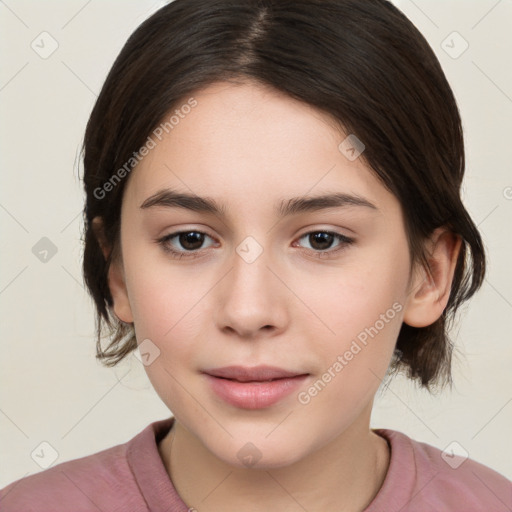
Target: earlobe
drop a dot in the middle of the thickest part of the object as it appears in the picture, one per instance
(119, 292)
(430, 289)
(116, 278)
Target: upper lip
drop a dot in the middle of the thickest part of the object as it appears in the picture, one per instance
(254, 373)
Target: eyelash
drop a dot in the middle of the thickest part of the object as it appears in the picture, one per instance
(164, 242)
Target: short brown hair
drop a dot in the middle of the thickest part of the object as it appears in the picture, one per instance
(362, 62)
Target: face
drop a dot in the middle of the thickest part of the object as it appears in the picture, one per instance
(316, 288)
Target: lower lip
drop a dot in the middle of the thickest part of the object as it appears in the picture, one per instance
(254, 395)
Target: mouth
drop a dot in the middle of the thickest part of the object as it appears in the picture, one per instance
(252, 374)
(253, 387)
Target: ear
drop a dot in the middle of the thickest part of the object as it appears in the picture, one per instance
(430, 289)
(116, 276)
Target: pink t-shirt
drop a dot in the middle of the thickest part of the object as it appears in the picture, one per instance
(131, 477)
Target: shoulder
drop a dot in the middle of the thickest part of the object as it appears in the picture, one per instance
(435, 479)
(101, 481)
(82, 484)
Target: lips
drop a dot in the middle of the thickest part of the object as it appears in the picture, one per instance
(254, 374)
(253, 388)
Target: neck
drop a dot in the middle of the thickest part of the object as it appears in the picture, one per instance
(344, 475)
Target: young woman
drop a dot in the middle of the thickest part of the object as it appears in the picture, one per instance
(273, 220)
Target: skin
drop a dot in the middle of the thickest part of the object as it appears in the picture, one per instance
(249, 147)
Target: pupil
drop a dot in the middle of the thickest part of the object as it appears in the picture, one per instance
(191, 240)
(324, 240)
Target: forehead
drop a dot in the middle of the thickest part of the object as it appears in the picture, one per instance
(250, 143)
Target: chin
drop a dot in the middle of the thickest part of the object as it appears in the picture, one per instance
(264, 454)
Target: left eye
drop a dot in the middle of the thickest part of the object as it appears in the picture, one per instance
(323, 240)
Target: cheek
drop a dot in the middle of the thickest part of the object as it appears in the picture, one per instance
(170, 317)
(365, 317)
(171, 307)
(362, 306)
(368, 292)
(163, 295)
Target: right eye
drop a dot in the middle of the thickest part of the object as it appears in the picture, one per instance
(191, 241)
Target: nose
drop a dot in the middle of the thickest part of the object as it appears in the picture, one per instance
(251, 300)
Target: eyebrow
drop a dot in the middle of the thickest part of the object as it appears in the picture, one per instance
(172, 199)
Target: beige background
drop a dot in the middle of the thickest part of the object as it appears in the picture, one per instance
(52, 388)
